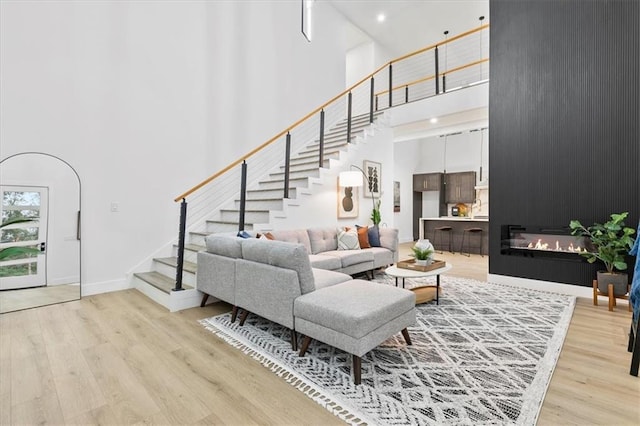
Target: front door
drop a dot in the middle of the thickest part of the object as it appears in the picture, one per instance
(27, 270)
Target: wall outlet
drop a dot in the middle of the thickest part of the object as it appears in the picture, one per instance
(115, 207)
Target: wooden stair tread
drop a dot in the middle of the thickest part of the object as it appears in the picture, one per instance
(173, 261)
(159, 281)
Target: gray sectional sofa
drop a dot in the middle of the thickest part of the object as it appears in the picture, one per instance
(321, 245)
(291, 282)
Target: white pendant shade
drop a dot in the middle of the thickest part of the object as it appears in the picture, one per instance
(350, 178)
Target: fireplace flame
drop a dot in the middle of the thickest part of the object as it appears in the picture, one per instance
(542, 245)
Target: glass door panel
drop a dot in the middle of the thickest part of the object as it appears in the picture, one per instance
(26, 239)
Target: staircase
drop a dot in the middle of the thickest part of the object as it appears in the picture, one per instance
(264, 201)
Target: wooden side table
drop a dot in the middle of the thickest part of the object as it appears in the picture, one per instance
(612, 298)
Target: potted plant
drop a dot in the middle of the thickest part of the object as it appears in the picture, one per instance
(611, 242)
(423, 252)
(375, 213)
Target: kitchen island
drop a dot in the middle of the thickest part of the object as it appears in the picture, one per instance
(458, 225)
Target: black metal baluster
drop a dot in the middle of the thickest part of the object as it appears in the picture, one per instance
(437, 72)
(349, 99)
(371, 102)
(243, 195)
(321, 160)
(406, 94)
(287, 157)
(181, 238)
(390, 85)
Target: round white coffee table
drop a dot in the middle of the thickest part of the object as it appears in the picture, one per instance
(394, 271)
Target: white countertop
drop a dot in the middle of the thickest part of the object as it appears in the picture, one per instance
(457, 218)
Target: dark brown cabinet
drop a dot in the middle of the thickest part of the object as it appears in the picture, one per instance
(460, 187)
(427, 182)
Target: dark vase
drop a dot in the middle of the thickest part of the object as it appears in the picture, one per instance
(620, 283)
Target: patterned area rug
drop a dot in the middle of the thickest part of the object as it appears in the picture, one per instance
(485, 355)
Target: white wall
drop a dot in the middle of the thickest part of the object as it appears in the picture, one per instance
(145, 99)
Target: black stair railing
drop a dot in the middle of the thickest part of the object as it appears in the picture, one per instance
(408, 73)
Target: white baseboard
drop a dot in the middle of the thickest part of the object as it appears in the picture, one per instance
(89, 289)
(573, 290)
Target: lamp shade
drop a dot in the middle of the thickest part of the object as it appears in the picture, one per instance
(350, 178)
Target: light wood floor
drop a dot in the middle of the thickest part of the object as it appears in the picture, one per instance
(15, 300)
(119, 358)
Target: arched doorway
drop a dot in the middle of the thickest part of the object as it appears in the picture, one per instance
(46, 190)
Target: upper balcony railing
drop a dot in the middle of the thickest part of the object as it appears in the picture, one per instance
(453, 63)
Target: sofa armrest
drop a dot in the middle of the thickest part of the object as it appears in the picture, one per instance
(216, 276)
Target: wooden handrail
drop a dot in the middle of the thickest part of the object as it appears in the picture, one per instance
(431, 77)
(315, 111)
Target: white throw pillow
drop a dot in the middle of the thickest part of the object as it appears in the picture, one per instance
(348, 240)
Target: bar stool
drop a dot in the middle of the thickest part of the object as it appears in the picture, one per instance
(438, 231)
(468, 232)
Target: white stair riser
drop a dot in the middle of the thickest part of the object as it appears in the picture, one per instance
(299, 183)
(197, 239)
(270, 193)
(170, 271)
(189, 255)
(296, 174)
(251, 217)
(304, 164)
(215, 227)
(261, 204)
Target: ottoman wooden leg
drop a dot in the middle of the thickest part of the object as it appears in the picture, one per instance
(305, 345)
(405, 334)
(243, 317)
(294, 341)
(357, 369)
(205, 296)
(234, 314)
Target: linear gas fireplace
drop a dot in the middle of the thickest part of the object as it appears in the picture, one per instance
(536, 241)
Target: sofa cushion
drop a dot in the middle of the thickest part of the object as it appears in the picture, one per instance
(374, 236)
(325, 262)
(299, 236)
(348, 239)
(323, 239)
(389, 238)
(363, 236)
(324, 278)
(224, 245)
(283, 255)
(381, 256)
(351, 257)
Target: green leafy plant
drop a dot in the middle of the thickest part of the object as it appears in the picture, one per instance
(611, 241)
(421, 254)
(375, 213)
(16, 251)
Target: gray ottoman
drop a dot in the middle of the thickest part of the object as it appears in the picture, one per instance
(355, 316)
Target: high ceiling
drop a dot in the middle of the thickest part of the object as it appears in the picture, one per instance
(410, 24)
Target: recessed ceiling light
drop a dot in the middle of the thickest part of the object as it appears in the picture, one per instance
(381, 17)
(434, 120)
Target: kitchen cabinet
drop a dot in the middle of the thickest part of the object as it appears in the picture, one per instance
(460, 187)
(427, 182)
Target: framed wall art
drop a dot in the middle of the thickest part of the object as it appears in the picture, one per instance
(396, 196)
(348, 202)
(373, 172)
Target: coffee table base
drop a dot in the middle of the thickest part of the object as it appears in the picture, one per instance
(437, 287)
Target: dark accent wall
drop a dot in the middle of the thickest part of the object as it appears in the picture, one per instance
(564, 113)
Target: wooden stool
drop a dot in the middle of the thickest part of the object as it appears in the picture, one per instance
(612, 298)
(467, 233)
(438, 231)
